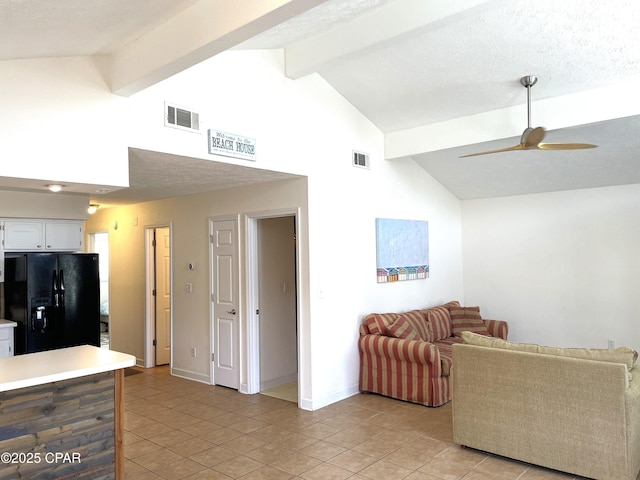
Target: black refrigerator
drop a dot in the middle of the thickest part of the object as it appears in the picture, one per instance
(54, 298)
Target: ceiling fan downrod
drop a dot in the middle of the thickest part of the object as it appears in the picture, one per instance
(528, 81)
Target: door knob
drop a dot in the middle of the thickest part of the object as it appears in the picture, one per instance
(232, 311)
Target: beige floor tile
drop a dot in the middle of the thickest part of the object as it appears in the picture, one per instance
(171, 437)
(319, 430)
(200, 428)
(179, 469)
(157, 458)
(352, 460)
(346, 439)
(247, 425)
(191, 447)
(322, 450)
(295, 463)
(385, 470)
(377, 447)
(410, 456)
(418, 475)
(445, 470)
(220, 435)
(243, 444)
(238, 466)
(132, 470)
(178, 429)
(267, 473)
(151, 430)
(326, 471)
(140, 448)
(213, 456)
(462, 456)
(503, 467)
(208, 474)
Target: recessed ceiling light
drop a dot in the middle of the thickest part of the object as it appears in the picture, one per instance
(55, 187)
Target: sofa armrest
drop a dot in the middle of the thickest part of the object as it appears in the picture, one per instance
(401, 349)
(497, 328)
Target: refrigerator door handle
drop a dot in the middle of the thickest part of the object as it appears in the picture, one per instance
(55, 289)
(61, 288)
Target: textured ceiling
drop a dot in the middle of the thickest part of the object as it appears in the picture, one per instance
(63, 28)
(440, 78)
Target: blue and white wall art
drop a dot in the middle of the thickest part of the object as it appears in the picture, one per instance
(402, 249)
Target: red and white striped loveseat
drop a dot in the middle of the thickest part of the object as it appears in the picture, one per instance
(408, 355)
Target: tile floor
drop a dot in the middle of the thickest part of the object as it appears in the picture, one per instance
(180, 429)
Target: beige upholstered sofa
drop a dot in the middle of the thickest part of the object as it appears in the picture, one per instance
(573, 410)
(408, 355)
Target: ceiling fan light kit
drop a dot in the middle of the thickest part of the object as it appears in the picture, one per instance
(531, 138)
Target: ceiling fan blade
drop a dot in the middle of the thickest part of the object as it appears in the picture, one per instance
(520, 146)
(564, 146)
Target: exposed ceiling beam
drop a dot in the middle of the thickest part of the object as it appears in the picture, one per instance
(198, 33)
(369, 31)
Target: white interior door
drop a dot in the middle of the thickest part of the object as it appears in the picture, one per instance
(225, 305)
(163, 295)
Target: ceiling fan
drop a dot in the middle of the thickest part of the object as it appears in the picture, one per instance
(532, 137)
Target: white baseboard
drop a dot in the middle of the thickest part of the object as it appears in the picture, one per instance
(189, 375)
(316, 404)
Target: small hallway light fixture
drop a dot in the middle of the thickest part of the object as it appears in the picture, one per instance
(93, 208)
(54, 187)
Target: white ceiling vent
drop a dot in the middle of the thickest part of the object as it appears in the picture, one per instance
(179, 117)
(360, 159)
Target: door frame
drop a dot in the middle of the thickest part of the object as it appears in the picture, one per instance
(149, 299)
(212, 271)
(253, 300)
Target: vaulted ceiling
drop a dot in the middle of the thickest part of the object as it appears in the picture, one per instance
(441, 79)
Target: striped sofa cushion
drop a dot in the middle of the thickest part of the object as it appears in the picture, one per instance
(379, 322)
(440, 322)
(417, 319)
(467, 319)
(445, 347)
(403, 327)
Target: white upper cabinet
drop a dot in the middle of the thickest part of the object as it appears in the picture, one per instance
(63, 235)
(43, 235)
(23, 235)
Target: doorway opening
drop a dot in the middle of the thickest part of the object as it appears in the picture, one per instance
(158, 293)
(273, 314)
(99, 243)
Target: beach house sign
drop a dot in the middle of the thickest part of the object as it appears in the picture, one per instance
(232, 145)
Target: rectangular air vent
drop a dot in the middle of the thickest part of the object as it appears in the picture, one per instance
(182, 118)
(360, 159)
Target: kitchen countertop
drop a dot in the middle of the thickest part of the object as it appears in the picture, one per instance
(55, 365)
(7, 323)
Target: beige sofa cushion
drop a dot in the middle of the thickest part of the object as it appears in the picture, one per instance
(623, 355)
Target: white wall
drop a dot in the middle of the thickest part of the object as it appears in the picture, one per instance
(301, 127)
(43, 205)
(62, 123)
(189, 217)
(562, 267)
